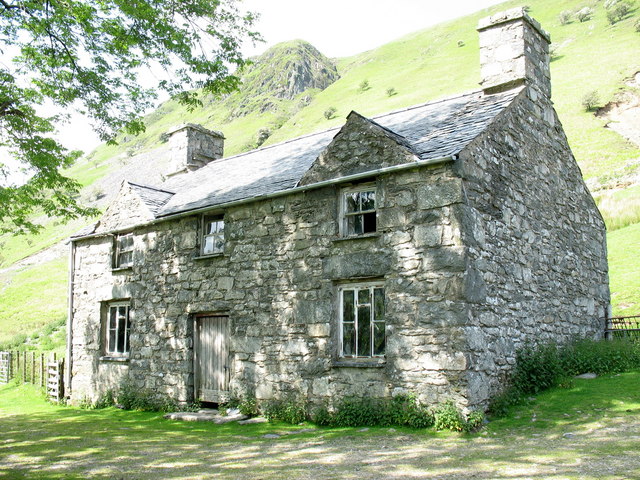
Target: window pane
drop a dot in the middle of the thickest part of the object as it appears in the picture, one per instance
(368, 200)
(209, 245)
(378, 338)
(352, 202)
(348, 339)
(378, 301)
(125, 258)
(369, 222)
(122, 321)
(219, 243)
(354, 225)
(364, 296)
(364, 331)
(111, 342)
(347, 306)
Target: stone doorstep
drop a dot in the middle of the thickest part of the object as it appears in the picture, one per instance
(204, 416)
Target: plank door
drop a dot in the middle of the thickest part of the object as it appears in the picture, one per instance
(211, 358)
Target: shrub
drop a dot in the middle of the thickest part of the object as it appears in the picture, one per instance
(474, 422)
(289, 410)
(249, 406)
(460, 43)
(448, 417)
(565, 17)
(407, 410)
(321, 416)
(107, 399)
(262, 136)
(358, 412)
(141, 399)
(329, 113)
(390, 92)
(538, 368)
(637, 25)
(364, 86)
(617, 11)
(584, 14)
(590, 100)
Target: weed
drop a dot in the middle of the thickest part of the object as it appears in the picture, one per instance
(288, 410)
(448, 417)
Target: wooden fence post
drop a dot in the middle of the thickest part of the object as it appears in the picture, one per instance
(41, 369)
(24, 366)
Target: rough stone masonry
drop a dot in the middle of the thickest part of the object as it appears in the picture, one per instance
(478, 251)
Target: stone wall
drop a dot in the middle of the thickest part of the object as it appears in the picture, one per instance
(278, 282)
(537, 267)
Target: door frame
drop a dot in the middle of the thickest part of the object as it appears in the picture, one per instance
(224, 395)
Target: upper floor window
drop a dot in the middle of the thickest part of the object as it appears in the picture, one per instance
(123, 251)
(212, 234)
(362, 320)
(359, 210)
(117, 329)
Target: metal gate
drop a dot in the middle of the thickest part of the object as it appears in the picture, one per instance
(211, 358)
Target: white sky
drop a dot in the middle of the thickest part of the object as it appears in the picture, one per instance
(338, 28)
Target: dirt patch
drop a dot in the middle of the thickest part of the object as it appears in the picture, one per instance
(623, 113)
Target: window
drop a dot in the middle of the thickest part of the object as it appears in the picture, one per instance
(117, 329)
(362, 323)
(212, 234)
(359, 211)
(123, 251)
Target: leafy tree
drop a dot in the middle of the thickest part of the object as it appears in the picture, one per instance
(87, 55)
(364, 86)
(329, 113)
(584, 14)
(590, 100)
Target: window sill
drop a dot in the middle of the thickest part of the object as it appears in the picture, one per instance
(360, 363)
(357, 237)
(107, 358)
(205, 257)
(122, 269)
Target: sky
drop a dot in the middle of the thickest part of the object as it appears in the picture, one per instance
(338, 28)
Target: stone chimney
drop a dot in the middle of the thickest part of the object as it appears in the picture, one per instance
(193, 147)
(514, 50)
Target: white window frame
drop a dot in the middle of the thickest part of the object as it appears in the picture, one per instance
(112, 349)
(119, 251)
(356, 287)
(218, 235)
(345, 215)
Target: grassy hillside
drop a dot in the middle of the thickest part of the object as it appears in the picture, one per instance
(425, 65)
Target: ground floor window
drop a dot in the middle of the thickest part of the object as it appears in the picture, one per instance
(362, 320)
(117, 329)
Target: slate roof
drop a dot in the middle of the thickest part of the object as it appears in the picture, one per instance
(432, 130)
(154, 198)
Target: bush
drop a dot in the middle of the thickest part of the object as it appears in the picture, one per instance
(329, 113)
(565, 17)
(364, 86)
(474, 422)
(584, 14)
(448, 417)
(616, 11)
(590, 100)
(107, 399)
(360, 412)
(287, 410)
(391, 92)
(130, 397)
(637, 26)
(262, 136)
(537, 368)
(248, 406)
(406, 410)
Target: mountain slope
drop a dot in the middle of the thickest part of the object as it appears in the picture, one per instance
(289, 88)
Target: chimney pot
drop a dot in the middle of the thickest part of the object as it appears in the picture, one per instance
(193, 146)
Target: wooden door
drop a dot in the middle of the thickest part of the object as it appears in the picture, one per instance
(211, 358)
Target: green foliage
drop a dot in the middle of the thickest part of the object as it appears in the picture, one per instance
(565, 17)
(248, 406)
(584, 14)
(636, 25)
(541, 367)
(329, 113)
(263, 134)
(474, 422)
(406, 410)
(448, 417)
(86, 54)
(364, 86)
(357, 412)
(391, 92)
(590, 100)
(130, 397)
(617, 10)
(289, 410)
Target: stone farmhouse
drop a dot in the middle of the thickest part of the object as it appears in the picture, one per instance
(410, 252)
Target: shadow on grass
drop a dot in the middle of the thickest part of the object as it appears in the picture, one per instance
(45, 442)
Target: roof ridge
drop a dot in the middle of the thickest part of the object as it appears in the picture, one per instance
(149, 187)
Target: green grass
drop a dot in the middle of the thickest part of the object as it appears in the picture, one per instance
(624, 274)
(32, 298)
(589, 431)
(619, 208)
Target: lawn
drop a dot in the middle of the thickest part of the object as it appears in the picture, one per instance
(590, 431)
